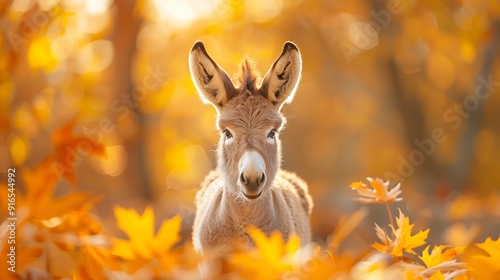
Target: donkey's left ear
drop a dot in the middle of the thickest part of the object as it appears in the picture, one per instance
(282, 80)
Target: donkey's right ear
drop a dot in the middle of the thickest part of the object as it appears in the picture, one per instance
(213, 84)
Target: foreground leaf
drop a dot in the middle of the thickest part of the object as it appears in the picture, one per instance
(143, 246)
(403, 239)
(271, 257)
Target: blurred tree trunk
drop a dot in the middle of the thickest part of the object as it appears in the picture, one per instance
(124, 35)
(408, 105)
(460, 170)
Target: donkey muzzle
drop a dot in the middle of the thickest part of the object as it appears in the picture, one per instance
(252, 174)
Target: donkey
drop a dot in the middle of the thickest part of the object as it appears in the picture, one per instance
(248, 186)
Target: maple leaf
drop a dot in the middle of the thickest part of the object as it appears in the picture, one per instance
(439, 255)
(378, 193)
(486, 266)
(270, 258)
(69, 149)
(437, 276)
(441, 260)
(143, 245)
(40, 185)
(402, 239)
(387, 243)
(92, 261)
(42, 180)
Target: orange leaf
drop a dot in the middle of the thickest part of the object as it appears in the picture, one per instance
(40, 185)
(379, 193)
(69, 150)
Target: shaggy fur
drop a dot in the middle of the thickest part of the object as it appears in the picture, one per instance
(250, 112)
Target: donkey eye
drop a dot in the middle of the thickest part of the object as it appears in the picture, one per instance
(227, 133)
(272, 134)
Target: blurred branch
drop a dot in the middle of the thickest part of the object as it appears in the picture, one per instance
(465, 146)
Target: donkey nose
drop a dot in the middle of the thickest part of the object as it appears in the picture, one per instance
(252, 180)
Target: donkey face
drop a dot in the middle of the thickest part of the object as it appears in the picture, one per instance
(249, 117)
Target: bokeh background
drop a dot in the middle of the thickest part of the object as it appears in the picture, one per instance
(407, 91)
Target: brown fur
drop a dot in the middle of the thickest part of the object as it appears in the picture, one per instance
(249, 111)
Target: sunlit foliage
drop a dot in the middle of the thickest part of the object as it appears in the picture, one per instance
(99, 117)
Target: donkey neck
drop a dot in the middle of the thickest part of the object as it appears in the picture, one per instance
(243, 212)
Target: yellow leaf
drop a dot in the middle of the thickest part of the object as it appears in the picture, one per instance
(168, 234)
(270, 258)
(293, 244)
(139, 229)
(486, 266)
(406, 241)
(403, 239)
(437, 276)
(438, 255)
(356, 185)
(492, 247)
(122, 248)
(410, 275)
(143, 247)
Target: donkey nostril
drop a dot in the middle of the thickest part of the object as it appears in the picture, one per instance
(263, 178)
(243, 179)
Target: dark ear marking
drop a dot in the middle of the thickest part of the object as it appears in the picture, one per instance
(214, 92)
(207, 77)
(280, 76)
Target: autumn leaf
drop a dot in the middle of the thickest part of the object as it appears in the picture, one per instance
(387, 243)
(93, 262)
(486, 266)
(402, 239)
(270, 258)
(68, 152)
(437, 276)
(439, 255)
(378, 193)
(40, 185)
(442, 260)
(143, 245)
(69, 149)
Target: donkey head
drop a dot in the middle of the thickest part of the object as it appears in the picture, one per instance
(249, 117)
